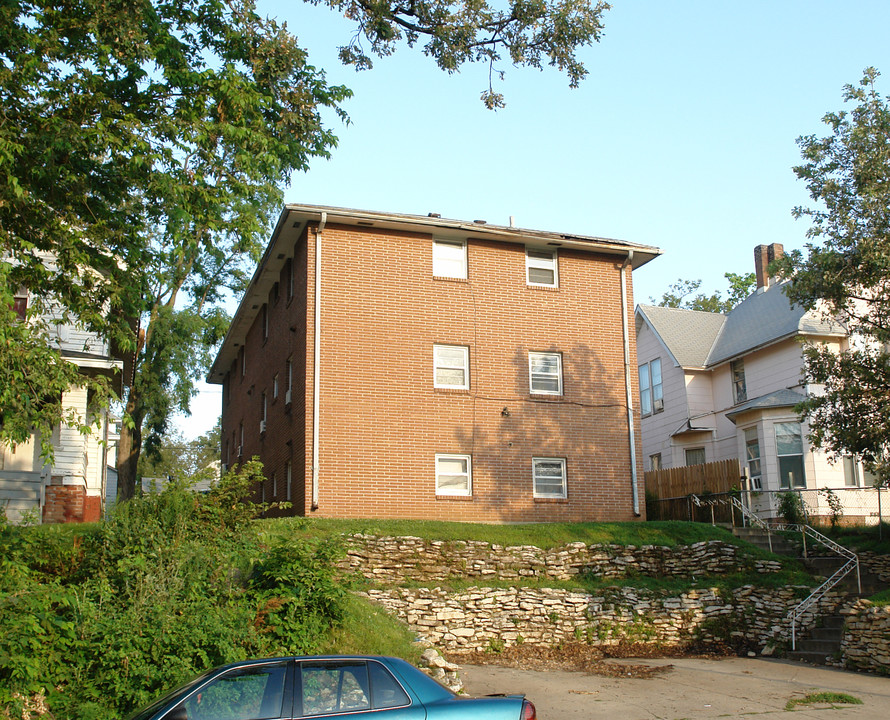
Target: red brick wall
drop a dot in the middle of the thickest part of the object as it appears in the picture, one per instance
(382, 422)
(70, 503)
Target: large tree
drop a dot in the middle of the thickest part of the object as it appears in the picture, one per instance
(680, 294)
(145, 145)
(846, 273)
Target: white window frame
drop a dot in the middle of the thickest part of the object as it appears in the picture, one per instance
(469, 475)
(739, 386)
(549, 495)
(275, 387)
(801, 455)
(756, 480)
(443, 266)
(650, 391)
(438, 364)
(531, 374)
(542, 264)
(704, 455)
(290, 477)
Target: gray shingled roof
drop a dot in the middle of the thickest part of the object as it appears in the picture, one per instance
(702, 339)
(763, 318)
(777, 399)
(688, 334)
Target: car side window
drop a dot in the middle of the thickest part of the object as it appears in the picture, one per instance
(385, 690)
(251, 693)
(333, 687)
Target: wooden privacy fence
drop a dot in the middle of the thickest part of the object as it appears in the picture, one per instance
(715, 477)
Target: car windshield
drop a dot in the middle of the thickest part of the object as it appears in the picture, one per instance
(180, 691)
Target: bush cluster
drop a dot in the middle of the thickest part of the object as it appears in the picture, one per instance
(97, 621)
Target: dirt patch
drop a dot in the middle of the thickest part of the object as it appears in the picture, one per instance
(579, 657)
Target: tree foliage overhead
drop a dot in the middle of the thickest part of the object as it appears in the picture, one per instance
(846, 272)
(143, 148)
(145, 145)
(680, 294)
(527, 32)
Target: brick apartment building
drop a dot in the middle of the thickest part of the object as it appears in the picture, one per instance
(452, 370)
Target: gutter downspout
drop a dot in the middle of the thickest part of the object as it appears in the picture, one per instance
(628, 385)
(316, 366)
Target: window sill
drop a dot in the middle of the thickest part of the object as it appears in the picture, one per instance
(546, 288)
(551, 501)
(452, 391)
(459, 498)
(450, 279)
(542, 397)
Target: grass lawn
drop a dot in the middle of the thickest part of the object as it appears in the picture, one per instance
(542, 535)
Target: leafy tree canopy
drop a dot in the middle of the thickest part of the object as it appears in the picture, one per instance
(178, 458)
(144, 147)
(846, 273)
(680, 294)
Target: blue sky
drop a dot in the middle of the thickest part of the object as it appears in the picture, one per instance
(682, 136)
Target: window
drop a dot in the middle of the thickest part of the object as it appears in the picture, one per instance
(20, 304)
(739, 391)
(289, 278)
(545, 373)
(275, 386)
(450, 259)
(252, 693)
(451, 366)
(752, 457)
(789, 450)
(695, 456)
(851, 471)
(347, 686)
(274, 481)
(549, 476)
(655, 461)
(264, 406)
(243, 361)
(541, 267)
(273, 294)
(290, 479)
(265, 322)
(453, 475)
(651, 398)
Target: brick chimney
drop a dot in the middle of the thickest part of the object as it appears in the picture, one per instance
(763, 256)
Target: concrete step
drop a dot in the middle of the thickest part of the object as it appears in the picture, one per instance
(808, 656)
(834, 622)
(826, 647)
(827, 634)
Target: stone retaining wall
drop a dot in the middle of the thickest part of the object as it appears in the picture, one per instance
(878, 564)
(491, 618)
(866, 643)
(397, 559)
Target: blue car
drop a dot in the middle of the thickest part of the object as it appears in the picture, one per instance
(336, 686)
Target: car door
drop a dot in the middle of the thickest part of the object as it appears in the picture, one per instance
(252, 692)
(354, 688)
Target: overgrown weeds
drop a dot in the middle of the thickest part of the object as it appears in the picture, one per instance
(103, 619)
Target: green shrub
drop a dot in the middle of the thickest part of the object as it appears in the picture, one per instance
(791, 508)
(171, 584)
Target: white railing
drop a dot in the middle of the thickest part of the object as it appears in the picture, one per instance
(820, 592)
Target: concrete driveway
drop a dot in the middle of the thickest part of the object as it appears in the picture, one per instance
(693, 688)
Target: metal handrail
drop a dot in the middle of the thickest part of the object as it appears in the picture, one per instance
(820, 592)
(747, 515)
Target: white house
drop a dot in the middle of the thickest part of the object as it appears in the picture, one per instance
(716, 387)
(72, 488)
